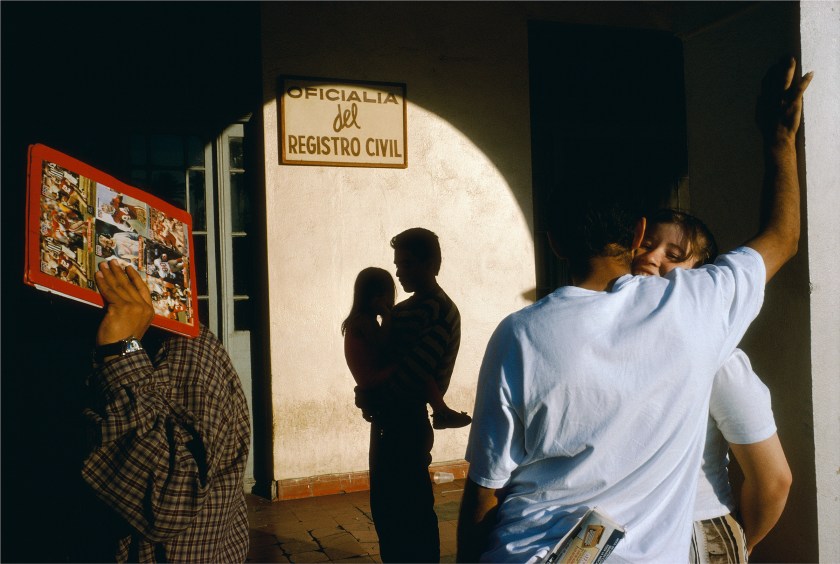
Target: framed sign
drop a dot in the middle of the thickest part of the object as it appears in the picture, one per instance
(335, 122)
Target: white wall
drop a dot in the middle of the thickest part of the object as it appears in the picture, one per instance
(820, 30)
(724, 65)
(468, 179)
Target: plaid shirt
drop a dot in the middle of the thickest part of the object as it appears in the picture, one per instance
(170, 446)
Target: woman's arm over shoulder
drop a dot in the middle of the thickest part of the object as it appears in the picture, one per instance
(742, 410)
(767, 481)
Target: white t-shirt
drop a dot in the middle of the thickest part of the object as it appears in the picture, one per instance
(601, 399)
(739, 413)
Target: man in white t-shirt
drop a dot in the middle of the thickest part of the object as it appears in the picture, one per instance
(572, 412)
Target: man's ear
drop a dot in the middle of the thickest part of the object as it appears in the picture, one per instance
(639, 233)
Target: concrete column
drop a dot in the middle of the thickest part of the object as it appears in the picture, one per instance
(820, 32)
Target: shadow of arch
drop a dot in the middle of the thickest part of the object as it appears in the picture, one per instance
(441, 50)
(589, 119)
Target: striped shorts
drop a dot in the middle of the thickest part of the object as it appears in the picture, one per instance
(718, 541)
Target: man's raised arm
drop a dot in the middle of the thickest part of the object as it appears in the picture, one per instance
(779, 113)
(149, 456)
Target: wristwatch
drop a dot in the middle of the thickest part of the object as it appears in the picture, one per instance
(120, 348)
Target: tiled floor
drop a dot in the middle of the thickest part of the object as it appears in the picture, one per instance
(335, 528)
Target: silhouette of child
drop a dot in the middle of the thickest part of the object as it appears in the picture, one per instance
(367, 344)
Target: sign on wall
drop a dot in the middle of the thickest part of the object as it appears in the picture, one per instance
(337, 122)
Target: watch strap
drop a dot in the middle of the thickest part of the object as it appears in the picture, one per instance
(121, 348)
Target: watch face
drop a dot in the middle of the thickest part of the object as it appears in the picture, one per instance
(132, 345)
(120, 348)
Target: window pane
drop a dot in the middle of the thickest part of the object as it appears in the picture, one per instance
(240, 203)
(195, 151)
(237, 156)
(204, 311)
(200, 257)
(197, 204)
(242, 315)
(139, 178)
(170, 186)
(167, 150)
(138, 150)
(242, 265)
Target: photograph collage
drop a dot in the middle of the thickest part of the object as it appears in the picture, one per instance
(83, 222)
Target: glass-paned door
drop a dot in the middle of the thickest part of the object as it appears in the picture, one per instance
(236, 262)
(176, 168)
(207, 176)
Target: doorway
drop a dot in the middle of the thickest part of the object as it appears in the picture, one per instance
(208, 175)
(607, 113)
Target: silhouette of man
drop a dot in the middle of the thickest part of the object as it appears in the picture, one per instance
(426, 333)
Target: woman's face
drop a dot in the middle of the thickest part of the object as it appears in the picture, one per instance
(664, 248)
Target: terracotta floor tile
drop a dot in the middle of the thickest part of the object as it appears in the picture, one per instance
(340, 539)
(298, 547)
(261, 539)
(342, 524)
(325, 532)
(309, 557)
(286, 535)
(347, 550)
(266, 554)
(366, 536)
(370, 547)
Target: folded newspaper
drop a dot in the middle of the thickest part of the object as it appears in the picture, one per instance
(590, 541)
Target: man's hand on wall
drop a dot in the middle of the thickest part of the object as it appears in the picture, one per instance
(779, 107)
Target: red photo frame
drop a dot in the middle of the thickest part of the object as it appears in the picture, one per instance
(78, 216)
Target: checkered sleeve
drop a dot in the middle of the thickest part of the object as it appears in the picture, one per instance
(149, 458)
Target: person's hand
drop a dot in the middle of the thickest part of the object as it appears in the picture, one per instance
(128, 303)
(779, 107)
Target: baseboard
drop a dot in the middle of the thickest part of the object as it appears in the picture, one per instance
(264, 489)
(331, 484)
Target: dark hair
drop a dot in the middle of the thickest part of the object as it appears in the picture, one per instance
(584, 225)
(370, 282)
(421, 243)
(702, 246)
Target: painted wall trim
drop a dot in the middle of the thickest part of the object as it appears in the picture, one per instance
(333, 484)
